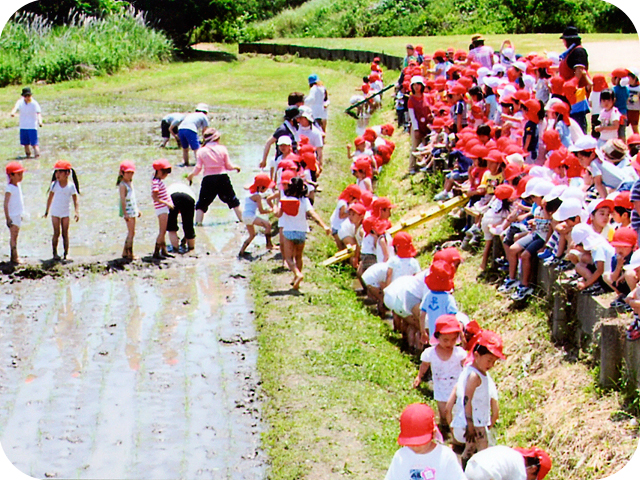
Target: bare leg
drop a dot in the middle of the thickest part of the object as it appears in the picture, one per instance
(289, 258)
(252, 234)
(36, 151)
(160, 248)
(199, 217)
(185, 156)
(64, 226)
(485, 254)
(526, 268)
(13, 243)
(174, 240)
(238, 212)
(298, 250)
(55, 221)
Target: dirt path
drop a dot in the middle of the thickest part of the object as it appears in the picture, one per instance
(606, 56)
(144, 373)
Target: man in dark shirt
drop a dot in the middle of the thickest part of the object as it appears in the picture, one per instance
(574, 63)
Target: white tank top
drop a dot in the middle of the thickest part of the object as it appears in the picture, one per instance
(481, 401)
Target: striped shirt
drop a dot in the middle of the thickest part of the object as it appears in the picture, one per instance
(160, 188)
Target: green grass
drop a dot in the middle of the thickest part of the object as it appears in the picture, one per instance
(31, 49)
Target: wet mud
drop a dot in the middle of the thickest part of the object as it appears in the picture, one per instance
(133, 370)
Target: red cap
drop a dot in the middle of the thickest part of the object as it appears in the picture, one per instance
(522, 184)
(359, 141)
(448, 324)
(478, 151)
(380, 203)
(352, 191)
(574, 167)
(161, 164)
(511, 171)
(625, 237)
(127, 166)
(543, 458)
(14, 167)
(522, 95)
(495, 156)
(623, 199)
(440, 277)
(504, 191)
(366, 198)
(63, 165)
(387, 129)
(458, 89)
(557, 85)
(599, 83)
(551, 139)
(473, 328)
(286, 177)
(416, 425)
(561, 108)
(380, 226)
(620, 73)
(306, 148)
(492, 342)
(556, 158)
(370, 135)
(358, 208)
(309, 159)
(439, 53)
(633, 139)
(451, 255)
(404, 245)
(287, 164)
(304, 140)
(261, 180)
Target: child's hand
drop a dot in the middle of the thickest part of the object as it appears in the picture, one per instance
(139, 214)
(76, 217)
(327, 230)
(45, 215)
(424, 337)
(9, 223)
(581, 285)
(470, 433)
(417, 381)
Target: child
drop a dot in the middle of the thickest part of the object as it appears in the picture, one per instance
(633, 102)
(294, 206)
(128, 205)
(30, 120)
(476, 397)
(61, 192)
(445, 361)
(438, 300)
(595, 259)
(625, 241)
(599, 84)
(252, 203)
(621, 95)
(632, 274)
(499, 210)
(349, 195)
(420, 456)
(622, 207)
(610, 118)
(363, 172)
(14, 206)
(162, 203)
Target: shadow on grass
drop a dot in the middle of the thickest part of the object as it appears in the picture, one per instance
(192, 55)
(285, 293)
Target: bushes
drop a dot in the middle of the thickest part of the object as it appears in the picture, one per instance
(33, 49)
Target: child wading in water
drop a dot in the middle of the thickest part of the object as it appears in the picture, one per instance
(445, 361)
(14, 206)
(128, 205)
(252, 205)
(61, 192)
(162, 203)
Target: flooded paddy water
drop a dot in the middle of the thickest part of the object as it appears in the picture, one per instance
(145, 371)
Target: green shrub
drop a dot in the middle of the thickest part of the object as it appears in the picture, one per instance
(32, 49)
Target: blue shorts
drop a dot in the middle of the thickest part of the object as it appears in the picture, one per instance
(28, 136)
(295, 237)
(188, 138)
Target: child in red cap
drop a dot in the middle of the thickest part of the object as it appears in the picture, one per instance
(476, 397)
(162, 203)
(420, 456)
(445, 360)
(349, 196)
(253, 204)
(128, 205)
(438, 300)
(625, 241)
(14, 206)
(61, 193)
(509, 463)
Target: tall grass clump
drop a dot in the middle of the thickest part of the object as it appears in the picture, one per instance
(32, 49)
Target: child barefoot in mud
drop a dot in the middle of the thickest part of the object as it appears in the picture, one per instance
(294, 206)
(128, 205)
(253, 203)
(61, 192)
(13, 206)
(162, 203)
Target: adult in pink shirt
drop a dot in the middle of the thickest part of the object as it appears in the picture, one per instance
(213, 158)
(481, 53)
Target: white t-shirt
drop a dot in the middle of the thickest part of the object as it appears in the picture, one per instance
(16, 202)
(496, 463)
(296, 223)
(336, 221)
(315, 100)
(313, 134)
(439, 464)
(61, 199)
(375, 274)
(607, 117)
(28, 113)
(368, 246)
(603, 252)
(194, 121)
(347, 229)
(481, 402)
(445, 373)
(403, 266)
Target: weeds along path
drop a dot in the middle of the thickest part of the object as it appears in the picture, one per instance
(148, 372)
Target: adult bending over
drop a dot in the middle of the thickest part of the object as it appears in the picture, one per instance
(214, 159)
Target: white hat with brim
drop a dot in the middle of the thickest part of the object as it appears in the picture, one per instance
(491, 82)
(581, 232)
(555, 193)
(586, 142)
(284, 140)
(569, 209)
(573, 192)
(417, 79)
(533, 181)
(202, 107)
(541, 189)
(516, 159)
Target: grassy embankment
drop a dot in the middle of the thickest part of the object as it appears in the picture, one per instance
(31, 49)
(335, 377)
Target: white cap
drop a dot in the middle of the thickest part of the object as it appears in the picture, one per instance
(516, 159)
(634, 262)
(202, 107)
(483, 72)
(491, 82)
(417, 79)
(284, 140)
(463, 318)
(554, 57)
(541, 189)
(585, 142)
(555, 193)
(569, 208)
(509, 52)
(540, 172)
(529, 82)
(306, 112)
(497, 68)
(573, 192)
(533, 181)
(581, 232)
(520, 66)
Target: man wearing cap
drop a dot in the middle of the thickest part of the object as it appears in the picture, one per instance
(317, 100)
(188, 130)
(574, 63)
(30, 120)
(288, 128)
(504, 463)
(480, 53)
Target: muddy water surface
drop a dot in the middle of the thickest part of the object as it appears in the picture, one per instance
(148, 372)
